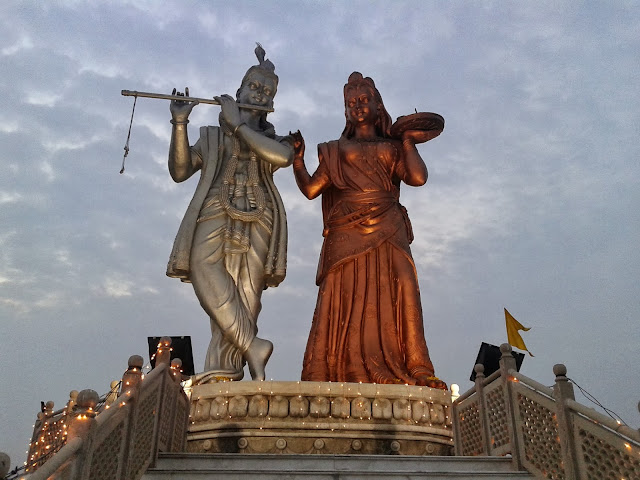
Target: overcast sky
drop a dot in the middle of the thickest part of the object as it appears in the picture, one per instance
(532, 203)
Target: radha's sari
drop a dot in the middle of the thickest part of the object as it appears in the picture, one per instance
(367, 326)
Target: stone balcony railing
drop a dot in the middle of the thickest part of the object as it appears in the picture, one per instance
(122, 440)
(544, 430)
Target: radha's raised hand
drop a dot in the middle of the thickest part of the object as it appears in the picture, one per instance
(298, 145)
(420, 136)
(179, 109)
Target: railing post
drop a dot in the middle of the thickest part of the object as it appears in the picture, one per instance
(176, 377)
(163, 352)
(133, 375)
(73, 399)
(48, 408)
(507, 363)
(176, 370)
(163, 357)
(82, 422)
(130, 386)
(455, 392)
(482, 404)
(112, 396)
(562, 391)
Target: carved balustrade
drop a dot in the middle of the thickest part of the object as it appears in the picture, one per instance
(544, 430)
(149, 416)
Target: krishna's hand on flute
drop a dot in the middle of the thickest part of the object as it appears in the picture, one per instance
(180, 110)
(230, 110)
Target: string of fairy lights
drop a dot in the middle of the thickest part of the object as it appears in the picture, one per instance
(52, 428)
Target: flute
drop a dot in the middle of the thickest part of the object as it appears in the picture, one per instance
(181, 98)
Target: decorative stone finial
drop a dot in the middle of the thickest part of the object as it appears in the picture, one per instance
(132, 377)
(83, 418)
(505, 348)
(113, 392)
(163, 354)
(48, 408)
(5, 464)
(455, 392)
(87, 399)
(176, 369)
(136, 361)
(559, 370)
(73, 399)
(479, 369)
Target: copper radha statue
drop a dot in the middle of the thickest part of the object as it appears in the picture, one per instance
(367, 325)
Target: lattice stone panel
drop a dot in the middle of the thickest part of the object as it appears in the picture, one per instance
(605, 456)
(180, 424)
(143, 433)
(497, 415)
(164, 429)
(470, 427)
(540, 436)
(105, 457)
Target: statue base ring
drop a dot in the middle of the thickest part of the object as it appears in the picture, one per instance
(319, 418)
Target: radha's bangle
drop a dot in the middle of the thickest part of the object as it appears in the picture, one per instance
(298, 163)
(174, 122)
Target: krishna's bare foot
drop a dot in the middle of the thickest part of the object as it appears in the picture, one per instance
(257, 357)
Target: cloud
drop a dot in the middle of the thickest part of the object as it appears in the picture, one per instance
(14, 305)
(23, 43)
(298, 101)
(50, 300)
(43, 98)
(117, 286)
(9, 126)
(9, 197)
(47, 169)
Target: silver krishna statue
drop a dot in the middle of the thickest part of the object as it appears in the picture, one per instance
(232, 242)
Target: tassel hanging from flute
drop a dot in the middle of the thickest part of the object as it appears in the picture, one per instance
(126, 145)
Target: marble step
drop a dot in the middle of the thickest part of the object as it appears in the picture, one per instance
(330, 467)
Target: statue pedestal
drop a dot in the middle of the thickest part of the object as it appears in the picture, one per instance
(319, 418)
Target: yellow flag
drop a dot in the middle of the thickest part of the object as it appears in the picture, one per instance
(513, 337)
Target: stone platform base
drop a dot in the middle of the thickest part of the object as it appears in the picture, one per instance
(319, 418)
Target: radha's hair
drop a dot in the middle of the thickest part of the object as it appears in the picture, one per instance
(383, 123)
